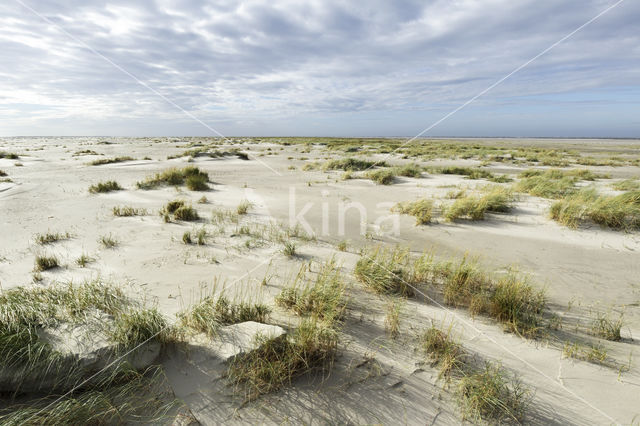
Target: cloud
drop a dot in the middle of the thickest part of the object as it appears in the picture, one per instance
(251, 67)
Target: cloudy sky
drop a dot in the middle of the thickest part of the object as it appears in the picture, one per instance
(320, 67)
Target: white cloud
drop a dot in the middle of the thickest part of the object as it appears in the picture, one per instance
(270, 62)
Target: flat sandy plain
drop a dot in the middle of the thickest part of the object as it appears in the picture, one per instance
(376, 378)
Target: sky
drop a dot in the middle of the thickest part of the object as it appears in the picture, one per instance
(319, 68)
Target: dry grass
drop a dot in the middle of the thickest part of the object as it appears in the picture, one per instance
(102, 161)
(422, 210)
(51, 237)
(44, 263)
(496, 199)
(606, 327)
(126, 211)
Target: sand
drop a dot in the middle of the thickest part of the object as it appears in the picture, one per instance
(376, 379)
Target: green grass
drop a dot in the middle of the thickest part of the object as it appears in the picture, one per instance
(126, 211)
(51, 237)
(175, 177)
(211, 312)
(44, 263)
(497, 199)
(321, 296)
(620, 212)
(110, 160)
(107, 186)
(422, 210)
(186, 237)
(383, 271)
(351, 164)
(596, 354)
(491, 396)
(408, 170)
(9, 155)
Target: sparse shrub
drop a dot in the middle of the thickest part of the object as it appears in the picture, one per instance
(107, 186)
(44, 263)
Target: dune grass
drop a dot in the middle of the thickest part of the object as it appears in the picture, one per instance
(382, 270)
(44, 263)
(606, 327)
(51, 237)
(123, 398)
(422, 210)
(443, 351)
(312, 346)
(627, 185)
(382, 176)
(175, 177)
(289, 249)
(321, 296)
(211, 312)
(553, 183)
(108, 241)
(621, 212)
(243, 207)
(490, 395)
(9, 155)
(496, 199)
(127, 211)
(468, 172)
(352, 164)
(136, 327)
(179, 210)
(102, 161)
(3, 173)
(83, 260)
(393, 310)
(103, 187)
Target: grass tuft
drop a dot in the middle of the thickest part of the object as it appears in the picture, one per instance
(126, 211)
(351, 164)
(243, 207)
(176, 177)
(608, 328)
(110, 160)
(108, 241)
(103, 187)
(422, 210)
(51, 237)
(44, 263)
(382, 270)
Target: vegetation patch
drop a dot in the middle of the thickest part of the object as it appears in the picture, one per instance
(179, 211)
(496, 200)
(44, 263)
(383, 271)
(102, 161)
(9, 155)
(321, 296)
(422, 210)
(352, 164)
(107, 186)
(608, 328)
(51, 237)
(553, 183)
(212, 312)
(176, 177)
(382, 176)
(627, 185)
(126, 211)
(616, 212)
